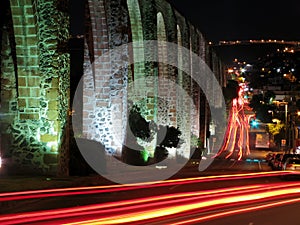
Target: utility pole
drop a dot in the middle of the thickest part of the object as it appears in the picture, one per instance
(286, 125)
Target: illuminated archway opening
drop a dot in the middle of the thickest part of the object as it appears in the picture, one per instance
(137, 38)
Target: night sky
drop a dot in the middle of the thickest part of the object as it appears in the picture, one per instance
(243, 20)
(236, 19)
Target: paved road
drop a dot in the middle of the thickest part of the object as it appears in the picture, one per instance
(210, 186)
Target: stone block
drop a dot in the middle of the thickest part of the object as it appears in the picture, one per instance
(33, 50)
(31, 30)
(30, 20)
(21, 60)
(33, 103)
(52, 114)
(29, 10)
(24, 92)
(15, 8)
(55, 82)
(52, 93)
(34, 81)
(48, 138)
(53, 105)
(22, 102)
(32, 40)
(22, 81)
(29, 116)
(35, 92)
(26, 2)
(33, 61)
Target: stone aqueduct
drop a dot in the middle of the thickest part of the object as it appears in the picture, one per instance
(37, 85)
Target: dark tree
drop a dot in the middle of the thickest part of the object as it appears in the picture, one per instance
(262, 106)
(138, 125)
(231, 90)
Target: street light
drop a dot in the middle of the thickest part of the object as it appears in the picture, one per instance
(254, 123)
(284, 142)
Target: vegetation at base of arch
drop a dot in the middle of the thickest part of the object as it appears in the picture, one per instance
(197, 146)
(135, 154)
(196, 141)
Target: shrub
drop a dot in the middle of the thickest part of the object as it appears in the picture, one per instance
(140, 128)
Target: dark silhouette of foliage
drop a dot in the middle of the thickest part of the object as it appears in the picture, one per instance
(171, 138)
(138, 125)
(168, 137)
(231, 90)
(262, 106)
(160, 153)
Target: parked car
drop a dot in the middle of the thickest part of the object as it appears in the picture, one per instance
(285, 157)
(291, 164)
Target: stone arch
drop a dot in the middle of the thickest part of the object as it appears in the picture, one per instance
(168, 15)
(137, 38)
(166, 114)
(143, 94)
(179, 102)
(203, 102)
(195, 89)
(41, 34)
(162, 49)
(184, 105)
(179, 56)
(182, 112)
(167, 97)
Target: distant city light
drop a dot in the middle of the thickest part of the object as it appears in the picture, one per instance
(254, 123)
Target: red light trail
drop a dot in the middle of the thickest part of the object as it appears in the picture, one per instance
(22, 195)
(237, 135)
(157, 208)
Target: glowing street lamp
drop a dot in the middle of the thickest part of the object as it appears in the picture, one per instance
(254, 123)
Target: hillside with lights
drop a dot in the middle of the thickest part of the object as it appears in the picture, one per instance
(271, 87)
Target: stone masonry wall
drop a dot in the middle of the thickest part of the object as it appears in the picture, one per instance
(105, 101)
(41, 32)
(36, 104)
